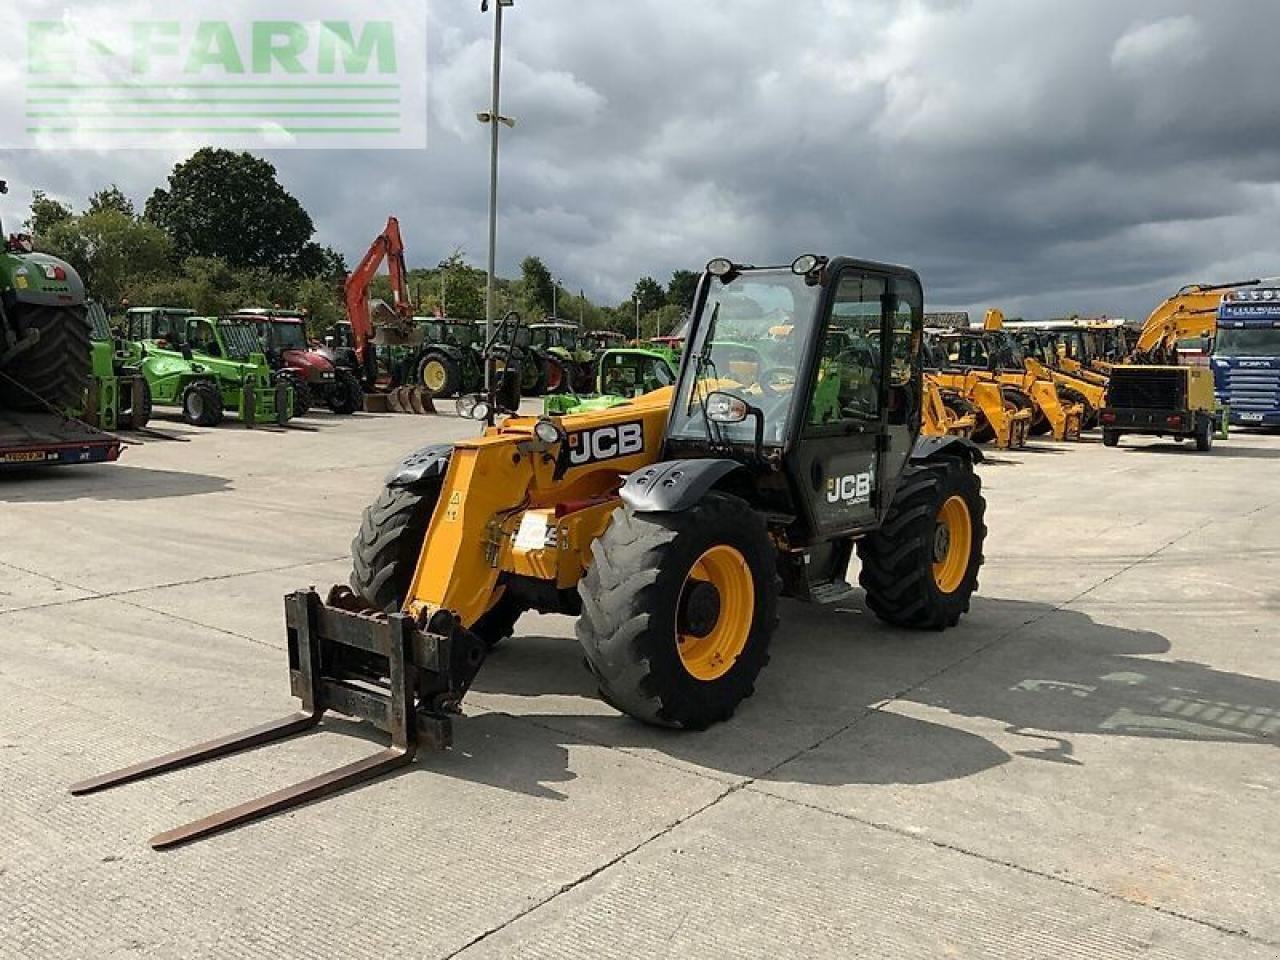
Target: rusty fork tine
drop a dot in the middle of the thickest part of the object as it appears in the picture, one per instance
(336, 780)
(201, 752)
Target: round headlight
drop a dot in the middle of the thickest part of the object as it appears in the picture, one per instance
(804, 264)
(1268, 294)
(720, 267)
(546, 431)
(480, 411)
(466, 405)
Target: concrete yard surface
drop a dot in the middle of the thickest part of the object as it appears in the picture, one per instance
(1085, 767)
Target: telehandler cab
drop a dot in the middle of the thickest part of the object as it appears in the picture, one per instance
(669, 525)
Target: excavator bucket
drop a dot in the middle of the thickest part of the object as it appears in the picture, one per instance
(377, 668)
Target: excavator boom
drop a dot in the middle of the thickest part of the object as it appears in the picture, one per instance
(388, 246)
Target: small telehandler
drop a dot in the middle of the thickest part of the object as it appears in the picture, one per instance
(669, 526)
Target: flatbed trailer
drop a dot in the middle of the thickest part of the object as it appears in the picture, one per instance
(47, 439)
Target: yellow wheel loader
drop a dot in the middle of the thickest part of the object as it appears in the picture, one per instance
(945, 414)
(1057, 411)
(1040, 354)
(669, 526)
(1003, 413)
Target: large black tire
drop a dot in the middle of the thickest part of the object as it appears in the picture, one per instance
(637, 597)
(202, 404)
(385, 551)
(1089, 418)
(1204, 434)
(56, 367)
(346, 397)
(900, 560)
(533, 377)
(131, 419)
(557, 376)
(303, 399)
(441, 370)
(959, 406)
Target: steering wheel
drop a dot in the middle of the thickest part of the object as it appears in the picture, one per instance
(767, 377)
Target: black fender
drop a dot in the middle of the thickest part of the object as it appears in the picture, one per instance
(445, 349)
(940, 448)
(674, 485)
(423, 464)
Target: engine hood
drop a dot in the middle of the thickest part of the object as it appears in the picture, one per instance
(316, 366)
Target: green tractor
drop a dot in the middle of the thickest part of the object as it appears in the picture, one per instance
(44, 334)
(565, 357)
(117, 396)
(206, 366)
(621, 375)
(450, 361)
(515, 352)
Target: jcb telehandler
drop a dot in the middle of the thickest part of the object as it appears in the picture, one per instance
(670, 526)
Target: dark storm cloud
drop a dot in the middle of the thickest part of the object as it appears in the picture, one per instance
(1035, 154)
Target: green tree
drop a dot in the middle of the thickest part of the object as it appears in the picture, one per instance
(649, 294)
(320, 299)
(230, 205)
(321, 263)
(46, 213)
(664, 321)
(539, 288)
(108, 250)
(464, 287)
(682, 289)
(110, 199)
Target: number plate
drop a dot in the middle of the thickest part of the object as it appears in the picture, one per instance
(24, 457)
(1250, 416)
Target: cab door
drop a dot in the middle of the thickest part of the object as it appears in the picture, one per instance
(862, 400)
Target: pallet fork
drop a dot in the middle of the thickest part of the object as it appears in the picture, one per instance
(384, 670)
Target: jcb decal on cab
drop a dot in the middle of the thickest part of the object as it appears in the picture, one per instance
(852, 489)
(606, 443)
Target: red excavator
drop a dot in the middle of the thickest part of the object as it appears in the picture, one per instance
(395, 325)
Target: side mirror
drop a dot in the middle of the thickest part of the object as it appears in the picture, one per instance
(726, 408)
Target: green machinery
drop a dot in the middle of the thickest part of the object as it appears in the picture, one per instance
(206, 366)
(621, 375)
(44, 336)
(565, 357)
(45, 360)
(450, 361)
(116, 397)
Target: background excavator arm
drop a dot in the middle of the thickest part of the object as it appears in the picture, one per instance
(386, 246)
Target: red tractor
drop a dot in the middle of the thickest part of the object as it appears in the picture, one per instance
(310, 370)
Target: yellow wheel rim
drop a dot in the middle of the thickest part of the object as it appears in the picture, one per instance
(714, 613)
(952, 544)
(433, 375)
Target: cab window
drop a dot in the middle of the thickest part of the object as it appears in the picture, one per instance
(848, 379)
(202, 338)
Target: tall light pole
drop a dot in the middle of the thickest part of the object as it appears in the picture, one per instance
(555, 286)
(493, 118)
(636, 300)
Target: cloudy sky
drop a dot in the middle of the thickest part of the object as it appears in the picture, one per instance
(1034, 154)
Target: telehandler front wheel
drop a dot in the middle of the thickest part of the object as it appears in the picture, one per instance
(202, 404)
(921, 567)
(385, 551)
(678, 610)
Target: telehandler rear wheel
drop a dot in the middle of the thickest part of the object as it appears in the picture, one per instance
(384, 555)
(921, 567)
(678, 610)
